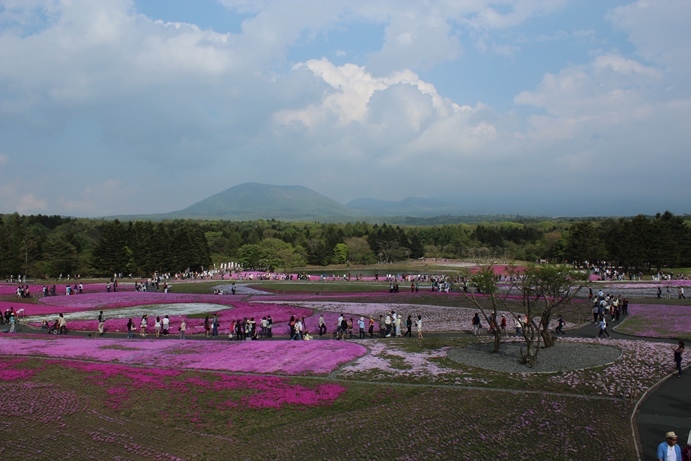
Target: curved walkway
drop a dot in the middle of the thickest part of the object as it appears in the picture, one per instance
(662, 408)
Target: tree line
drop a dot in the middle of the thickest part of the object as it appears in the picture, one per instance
(47, 246)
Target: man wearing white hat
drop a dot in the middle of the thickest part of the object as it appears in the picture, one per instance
(669, 450)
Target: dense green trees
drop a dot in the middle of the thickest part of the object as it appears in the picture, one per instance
(41, 246)
(638, 244)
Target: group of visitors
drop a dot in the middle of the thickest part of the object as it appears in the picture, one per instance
(58, 327)
(73, 290)
(390, 325)
(9, 317)
(608, 305)
(500, 325)
(246, 328)
(52, 291)
(161, 326)
(23, 292)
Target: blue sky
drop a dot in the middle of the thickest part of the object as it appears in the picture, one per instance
(548, 107)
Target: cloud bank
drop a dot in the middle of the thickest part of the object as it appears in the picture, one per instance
(105, 110)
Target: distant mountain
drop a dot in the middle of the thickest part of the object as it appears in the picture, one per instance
(251, 201)
(411, 206)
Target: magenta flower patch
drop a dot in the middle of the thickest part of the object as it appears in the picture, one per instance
(285, 357)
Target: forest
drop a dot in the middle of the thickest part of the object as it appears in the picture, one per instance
(41, 246)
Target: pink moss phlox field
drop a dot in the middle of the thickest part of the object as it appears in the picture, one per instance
(38, 402)
(286, 357)
(270, 391)
(661, 321)
(265, 391)
(9, 372)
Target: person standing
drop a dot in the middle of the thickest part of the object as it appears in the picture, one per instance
(361, 327)
(183, 328)
(519, 326)
(322, 325)
(62, 324)
(207, 327)
(101, 323)
(678, 351)
(669, 450)
(214, 326)
(418, 325)
(371, 327)
(143, 325)
(157, 327)
(165, 324)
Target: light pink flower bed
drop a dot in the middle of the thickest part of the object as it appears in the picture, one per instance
(283, 357)
(434, 318)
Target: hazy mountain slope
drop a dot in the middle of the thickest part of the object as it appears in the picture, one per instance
(263, 201)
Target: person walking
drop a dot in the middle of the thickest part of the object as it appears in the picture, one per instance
(560, 325)
(101, 323)
(409, 327)
(678, 351)
(476, 324)
(669, 450)
(418, 325)
(157, 327)
(603, 327)
(130, 329)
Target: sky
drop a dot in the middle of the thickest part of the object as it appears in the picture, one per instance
(532, 107)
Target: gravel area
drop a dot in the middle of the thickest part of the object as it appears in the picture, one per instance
(562, 357)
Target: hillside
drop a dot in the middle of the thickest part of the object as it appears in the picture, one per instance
(250, 201)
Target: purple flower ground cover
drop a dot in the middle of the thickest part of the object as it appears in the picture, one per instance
(657, 321)
(285, 357)
(122, 412)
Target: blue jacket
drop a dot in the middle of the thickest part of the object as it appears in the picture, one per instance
(662, 451)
